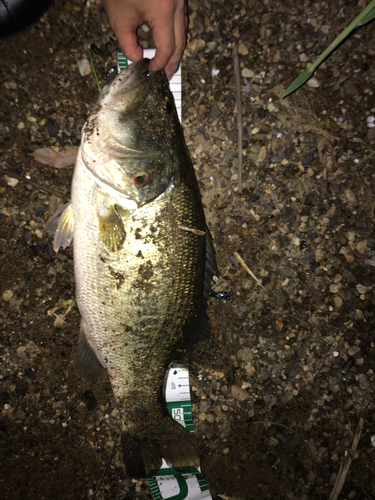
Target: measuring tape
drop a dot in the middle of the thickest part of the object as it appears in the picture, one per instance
(169, 483)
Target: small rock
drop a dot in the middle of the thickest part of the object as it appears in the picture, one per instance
(210, 418)
(361, 289)
(202, 416)
(212, 45)
(90, 400)
(238, 393)
(196, 44)
(21, 350)
(308, 158)
(313, 83)
(338, 301)
(333, 288)
(262, 154)
(84, 67)
(11, 181)
(247, 73)
(7, 295)
(242, 49)
(279, 324)
(52, 128)
(350, 196)
(362, 246)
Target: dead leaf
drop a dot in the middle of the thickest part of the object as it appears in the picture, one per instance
(57, 159)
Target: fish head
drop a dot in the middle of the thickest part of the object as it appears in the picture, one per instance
(130, 139)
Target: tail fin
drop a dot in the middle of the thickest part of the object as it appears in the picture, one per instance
(143, 457)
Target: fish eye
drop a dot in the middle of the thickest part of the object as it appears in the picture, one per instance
(168, 108)
(140, 180)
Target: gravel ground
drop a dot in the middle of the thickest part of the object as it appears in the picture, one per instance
(279, 390)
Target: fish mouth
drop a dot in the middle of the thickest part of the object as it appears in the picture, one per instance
(132, 77)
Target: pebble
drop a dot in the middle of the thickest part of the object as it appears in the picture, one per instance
(21, 351)
(338, 301)
(11, 181)
(247, 73)
(84, 67)
(313, 83)
(7, 295)
(52, 128)
(242, 49)
(210, 418)
(361, 288)
(238, 393)
(196, 44)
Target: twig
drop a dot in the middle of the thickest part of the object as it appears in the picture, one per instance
(244, 265)
(344, 468)
(106, 468)
(236, 66)
(191, 230)
(37, 185)
(293, 432)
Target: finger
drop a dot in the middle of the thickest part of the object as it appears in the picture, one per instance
(164, 38)
(129, 45)
(180, 28)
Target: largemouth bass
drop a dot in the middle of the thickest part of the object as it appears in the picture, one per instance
(142, 259)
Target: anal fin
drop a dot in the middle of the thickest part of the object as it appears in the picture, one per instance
(87, 364)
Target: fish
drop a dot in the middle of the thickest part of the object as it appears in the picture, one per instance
(143, 260)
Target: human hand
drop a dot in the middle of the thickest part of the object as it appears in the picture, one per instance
(168, 23)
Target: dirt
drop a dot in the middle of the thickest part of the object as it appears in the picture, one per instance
(280, 388)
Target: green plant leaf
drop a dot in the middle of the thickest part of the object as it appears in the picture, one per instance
(367, 14)
(370, 16)
(298, 82)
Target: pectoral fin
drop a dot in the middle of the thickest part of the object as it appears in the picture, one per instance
(111, 230)
(62, 223)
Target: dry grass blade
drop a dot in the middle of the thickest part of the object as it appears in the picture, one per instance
(236, 66)
(106, 468)
(60, 195)
(345, 467)
(191, 230)
(244, 265)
